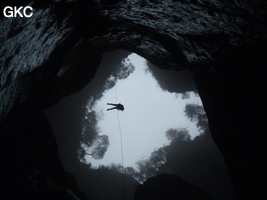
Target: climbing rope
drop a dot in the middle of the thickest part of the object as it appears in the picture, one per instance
(122, 159)
(121, 139)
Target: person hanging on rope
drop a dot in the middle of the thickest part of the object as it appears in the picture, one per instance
(117, 106)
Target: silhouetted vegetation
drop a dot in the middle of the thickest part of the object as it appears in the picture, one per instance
(196, 114)
(91, 142)
(178, 134)
(105, 182)
(196, 160)
(121, 71)
(96, 149)
(107, 79)
(172, 81)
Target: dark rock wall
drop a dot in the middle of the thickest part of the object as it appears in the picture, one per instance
(233, 101)
(30, 167)
(52, 49)
(57, 51)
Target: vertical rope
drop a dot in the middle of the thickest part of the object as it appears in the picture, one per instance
(121, 140)
(122, 159)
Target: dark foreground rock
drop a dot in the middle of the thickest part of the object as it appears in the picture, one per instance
(169, 187)
(30, 166)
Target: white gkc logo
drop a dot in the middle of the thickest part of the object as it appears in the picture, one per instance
(20, 11)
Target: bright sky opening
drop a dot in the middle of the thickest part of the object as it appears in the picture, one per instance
(149, 113)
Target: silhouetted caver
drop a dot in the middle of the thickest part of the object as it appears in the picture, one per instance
(117, 106)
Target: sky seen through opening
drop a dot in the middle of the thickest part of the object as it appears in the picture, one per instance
(149, 113)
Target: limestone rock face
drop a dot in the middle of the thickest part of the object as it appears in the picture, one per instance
(47, 56)
(223, 43)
